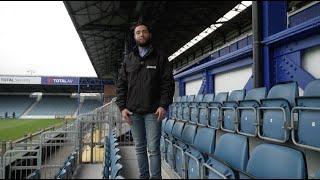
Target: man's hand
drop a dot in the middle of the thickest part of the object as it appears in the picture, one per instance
(161, 112)
(125, 116)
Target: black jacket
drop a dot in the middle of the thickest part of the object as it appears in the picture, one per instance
(145, 83)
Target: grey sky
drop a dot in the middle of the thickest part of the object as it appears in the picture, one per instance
(40, 36)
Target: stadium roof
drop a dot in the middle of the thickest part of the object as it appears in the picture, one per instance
(104, 26)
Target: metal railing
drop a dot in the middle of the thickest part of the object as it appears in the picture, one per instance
(48, 149)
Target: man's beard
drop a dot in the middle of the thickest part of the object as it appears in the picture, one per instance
(145, 44)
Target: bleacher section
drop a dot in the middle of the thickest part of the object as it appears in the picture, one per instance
(89, 105)
(285, 125)
(55, 106)
(14, 103)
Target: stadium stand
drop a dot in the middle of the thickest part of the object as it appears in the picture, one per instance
(55, 105)
(89, 105)
(191, 147)
(17, 104)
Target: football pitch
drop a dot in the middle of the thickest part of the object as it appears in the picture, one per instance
(14, 129)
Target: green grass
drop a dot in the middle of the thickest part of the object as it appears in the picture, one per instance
(15, 129)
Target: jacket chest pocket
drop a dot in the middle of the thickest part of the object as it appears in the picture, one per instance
(151, 72)
(132, 73)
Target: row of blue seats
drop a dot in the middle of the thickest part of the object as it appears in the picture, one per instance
(111, 163)
(69, 167)
(275, 115)
(191, 151)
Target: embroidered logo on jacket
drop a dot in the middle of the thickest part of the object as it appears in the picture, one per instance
(151, 67)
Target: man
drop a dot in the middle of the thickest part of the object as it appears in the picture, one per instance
(145, 89)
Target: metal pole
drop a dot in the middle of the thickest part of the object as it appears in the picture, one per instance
(92, 139)
(257, 56)
(78, 97)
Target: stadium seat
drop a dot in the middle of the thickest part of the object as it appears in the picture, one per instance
(177, 134)
(175, 105)
(269, 161)
(195, 108)
(62, 174)
(204, 143)
(162, 142)
(203, 109)
(228, 110)
(68, 169)
(188, 135)
(183, 100)
(247, 112)
(230, 157)
(115, 170)
(275, 110)
(214, 110)
(167, 139)
(306, 132)
(186, 116)
(317, 175)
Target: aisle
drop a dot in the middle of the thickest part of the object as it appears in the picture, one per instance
(89, 171)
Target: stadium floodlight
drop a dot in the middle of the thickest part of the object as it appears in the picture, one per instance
(229, 15)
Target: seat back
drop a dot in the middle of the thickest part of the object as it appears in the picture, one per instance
(186, 108)
(317, 175)
(168, 127)
(256, 94)
(229, 115)
(221, 97)
(233, 150)
(276, 162)
(203, 114)
(312, 89)
(195, 110)
(175, 106)
(287, 91)
(177, 129)
(189, 133)
(308, 124)
(205, 140)
(247, 117)
(273, 122)
(183, 100)
(214, 113)
(236, 95)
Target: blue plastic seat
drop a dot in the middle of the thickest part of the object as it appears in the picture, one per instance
(195, 108)
(275, 110)
(186, 114)
(317, 175)
(162, 141)
(230, 157)
(269, 161)
(187, 138)
(214, 109)
(247, 116)
(116, 170)
(204, 143)
(228, 110)
(168, 137)
(177, 136)
(204, 111)
(306, 128)
(183, 100)
(175, 105)
(62, 174)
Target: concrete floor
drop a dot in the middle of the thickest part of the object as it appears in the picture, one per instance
(130, 165)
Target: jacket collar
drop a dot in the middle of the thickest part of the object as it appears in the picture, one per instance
(136, 51)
